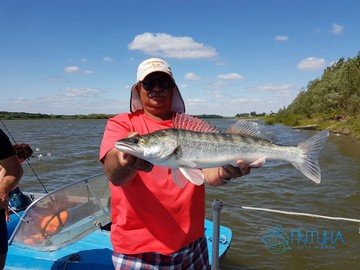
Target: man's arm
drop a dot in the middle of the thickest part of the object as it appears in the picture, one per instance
(121, 168)
(117, 169)
(12, 177)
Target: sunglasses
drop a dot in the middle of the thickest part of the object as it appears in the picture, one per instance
(164, 82)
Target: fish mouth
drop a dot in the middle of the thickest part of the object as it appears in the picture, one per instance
(126, 148)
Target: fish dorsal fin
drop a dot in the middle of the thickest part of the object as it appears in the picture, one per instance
(185, 121)
(249, 128)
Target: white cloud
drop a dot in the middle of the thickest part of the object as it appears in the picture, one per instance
(217, 85)
(69, 101)
(88, 71)
(215, 94)
(55, 78)
(79, 92)
(76, 69)
(191, 76)
(241, 100)
(165, 45)
(72, 69)
(182, 86)
(337, 28)
(230, 76)
(196, 101)
(108, 59)
(279, 89)
(311, 64)
(281, 38)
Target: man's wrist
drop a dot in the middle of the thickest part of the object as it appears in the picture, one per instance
(223, 179)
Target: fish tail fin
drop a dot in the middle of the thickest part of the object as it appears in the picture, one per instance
(308, 163)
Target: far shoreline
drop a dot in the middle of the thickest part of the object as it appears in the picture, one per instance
(336, 127)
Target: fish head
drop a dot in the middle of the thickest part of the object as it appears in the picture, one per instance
(153, 147)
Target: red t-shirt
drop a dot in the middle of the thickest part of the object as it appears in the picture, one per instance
(151, 215)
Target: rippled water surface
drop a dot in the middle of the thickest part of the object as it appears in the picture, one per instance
(67, 150)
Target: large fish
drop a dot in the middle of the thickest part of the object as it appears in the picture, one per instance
(195, 144)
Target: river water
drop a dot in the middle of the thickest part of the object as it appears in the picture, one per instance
(67, 150)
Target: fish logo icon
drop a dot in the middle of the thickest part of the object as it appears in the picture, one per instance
(276, 240)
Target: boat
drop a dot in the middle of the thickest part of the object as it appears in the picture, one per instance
(306, 127)
(69, 228)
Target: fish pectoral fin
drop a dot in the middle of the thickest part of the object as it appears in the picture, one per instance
(179, 178)
(185, 163)
(257, 163)
(159, 173)
(195, 176)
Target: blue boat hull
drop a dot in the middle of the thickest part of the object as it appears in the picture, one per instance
(86, 253)
(57, 230)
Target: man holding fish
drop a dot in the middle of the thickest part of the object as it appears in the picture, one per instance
(157, 159)
(156, 223)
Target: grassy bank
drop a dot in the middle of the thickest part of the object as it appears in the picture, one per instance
(349, 126)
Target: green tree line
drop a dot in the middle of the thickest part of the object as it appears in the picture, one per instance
(334, 97)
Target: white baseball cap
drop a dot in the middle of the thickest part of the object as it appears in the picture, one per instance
(145, 68)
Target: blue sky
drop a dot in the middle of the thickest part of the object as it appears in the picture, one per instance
(228, 57)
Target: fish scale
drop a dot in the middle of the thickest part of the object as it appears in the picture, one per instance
(199, 147)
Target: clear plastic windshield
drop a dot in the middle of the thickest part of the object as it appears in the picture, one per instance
(65, 215)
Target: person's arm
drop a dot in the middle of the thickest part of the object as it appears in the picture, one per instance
(121, 168)
(11, 178)
(2, 172)
(221, 175)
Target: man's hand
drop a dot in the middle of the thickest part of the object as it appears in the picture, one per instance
(121, 168)
(228, 171)
(132, 162)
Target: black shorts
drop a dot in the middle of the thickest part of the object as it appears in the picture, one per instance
(3, 233)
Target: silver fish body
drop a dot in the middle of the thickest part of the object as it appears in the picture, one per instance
(186, 150)
(208, 150)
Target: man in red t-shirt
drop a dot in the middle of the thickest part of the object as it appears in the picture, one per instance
(154, 222)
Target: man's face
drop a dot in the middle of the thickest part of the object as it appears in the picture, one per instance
(156, 91)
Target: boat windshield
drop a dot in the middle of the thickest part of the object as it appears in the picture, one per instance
(65, 215)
